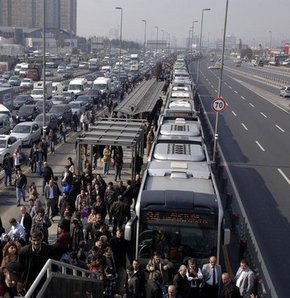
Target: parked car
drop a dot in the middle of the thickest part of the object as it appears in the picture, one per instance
(78, 107)
(7, 74)
(95, 95)
(27, 132)
(48, 105)
(26, 83)
(59, 99)
(14, 81)
(285, 91)
(63, 113)
(50, 119)
(21, 100)
(88, 100)
(7, 145)
(27, 113)
(68, 95)
(67, 74)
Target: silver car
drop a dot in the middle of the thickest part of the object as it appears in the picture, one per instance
(27, 132)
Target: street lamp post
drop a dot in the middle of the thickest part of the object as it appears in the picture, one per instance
(191, 49)
(200, 44)
(270, 46)
(120, 53)
(162, 38)
(157, 29)
(43, 75)
(220, 82)
(145, 29)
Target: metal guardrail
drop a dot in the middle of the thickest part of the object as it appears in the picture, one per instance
(54, 268)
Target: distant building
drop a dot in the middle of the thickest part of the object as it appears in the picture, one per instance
(60, 14)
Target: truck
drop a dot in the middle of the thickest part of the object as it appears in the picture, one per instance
(34, 72)
(6, 96)
(37, 91)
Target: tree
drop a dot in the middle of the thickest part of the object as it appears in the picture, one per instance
(247, 53)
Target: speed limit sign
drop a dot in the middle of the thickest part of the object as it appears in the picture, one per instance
(219, 105)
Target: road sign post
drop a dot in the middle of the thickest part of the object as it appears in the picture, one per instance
(218, 105)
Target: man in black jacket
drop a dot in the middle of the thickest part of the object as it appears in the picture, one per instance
(20, 184)
(47, 174)
(8, 166)
(33, 258)
(228, 288)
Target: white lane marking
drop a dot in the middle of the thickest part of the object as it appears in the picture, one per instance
(242, 97)
(284, 176)
(260, 146)
(226, 83)
(236, 92)
(212, 86)
(215, 91)
(263, 115)
(280, 128)
(244, 126)
(234, 113)
(230, 87)
(251, 105)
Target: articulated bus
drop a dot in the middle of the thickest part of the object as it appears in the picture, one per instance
(178, 210)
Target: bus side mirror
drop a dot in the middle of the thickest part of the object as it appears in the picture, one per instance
(227, 236)
(129, 229)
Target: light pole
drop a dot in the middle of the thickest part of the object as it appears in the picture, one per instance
(162, 38)
(120, 53)
(200, 43)
(145, 31)
(157, 29)
(220, 82)
(192, 32)
(270, 46)
(43, 73)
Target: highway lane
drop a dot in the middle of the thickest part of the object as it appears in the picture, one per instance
(254, 136)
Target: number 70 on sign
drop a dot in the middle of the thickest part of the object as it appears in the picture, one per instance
(219, 105)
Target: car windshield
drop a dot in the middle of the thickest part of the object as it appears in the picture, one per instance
(25, 108)
(21, 129)
(37, 91)
(75, 87)
(2, 143)
(57, 109)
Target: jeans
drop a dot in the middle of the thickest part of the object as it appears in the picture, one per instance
(8, 176)
(106, 168)
(52, 149)
(118, 170)
(20, 194)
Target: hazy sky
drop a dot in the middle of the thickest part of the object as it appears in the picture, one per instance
(250, 20)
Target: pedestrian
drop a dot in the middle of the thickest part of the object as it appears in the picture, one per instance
(106, 160)
(33, 158)
(212, 274)
(228, 288)
(75, 121)
(149, 140)
(110, 197)
(33, 258)
(47, 174)
(62, 132)
(181, 283)
(16, 158)
(8, 168)
(17, 231)
(26, 221)
(171, 292)
(194, 275)
(50, 195)
(118, 165)
(132, 283)
(118, 212)
(20, 185)
(43, 146)
(139, 273)
(154, 288)
(41, 222)
(52, 138)
(244, 279)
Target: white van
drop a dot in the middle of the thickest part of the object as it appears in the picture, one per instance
(77, 86)
(4, 124)
(5, 111)
(57, 88)
(102, 84)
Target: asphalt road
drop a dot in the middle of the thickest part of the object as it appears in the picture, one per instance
(254, 136)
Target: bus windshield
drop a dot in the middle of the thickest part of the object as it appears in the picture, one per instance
(177, 236)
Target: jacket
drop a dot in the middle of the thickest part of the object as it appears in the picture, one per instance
(21, 181)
